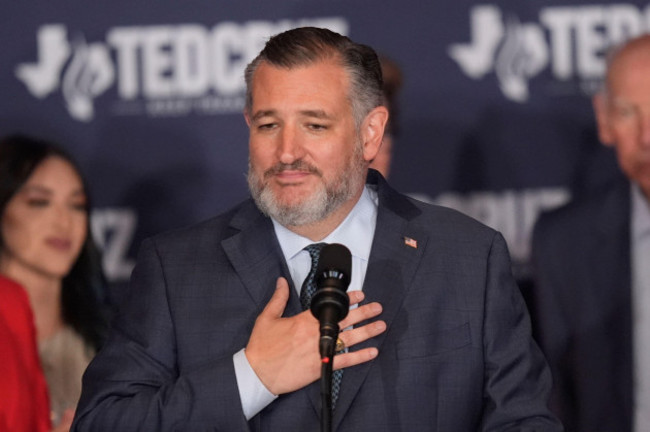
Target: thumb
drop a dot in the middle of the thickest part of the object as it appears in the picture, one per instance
(278, 302)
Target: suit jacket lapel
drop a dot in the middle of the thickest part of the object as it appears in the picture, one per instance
(392, 265)
(255, 254)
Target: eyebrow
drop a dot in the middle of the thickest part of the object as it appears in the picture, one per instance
(44, 189)
(264, 113)
(316, 113)
(36, 188)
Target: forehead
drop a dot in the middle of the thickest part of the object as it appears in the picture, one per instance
(55, 172)
(322, 82)
(629, 74)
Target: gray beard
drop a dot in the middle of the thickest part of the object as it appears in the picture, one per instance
(320, 204)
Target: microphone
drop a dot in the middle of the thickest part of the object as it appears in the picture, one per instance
(330, 303)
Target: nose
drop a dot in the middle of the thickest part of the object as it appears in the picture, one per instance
(62, 217)
(290, 148)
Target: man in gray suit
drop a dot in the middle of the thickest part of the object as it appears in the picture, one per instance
(213, 336)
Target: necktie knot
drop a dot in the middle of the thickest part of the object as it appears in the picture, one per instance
(309, 286)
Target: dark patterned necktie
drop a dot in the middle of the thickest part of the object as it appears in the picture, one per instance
(309, 285)
(306, 293)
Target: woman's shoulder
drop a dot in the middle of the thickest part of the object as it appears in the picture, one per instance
(16, 312)
(13, 298)
(10, 287)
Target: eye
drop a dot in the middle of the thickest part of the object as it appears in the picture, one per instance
(80, 206)
(38, 202)
(626, 112)
(267, 126)
(317, 126)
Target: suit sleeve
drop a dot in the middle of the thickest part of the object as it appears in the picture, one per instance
(134, 384)
(517, 379)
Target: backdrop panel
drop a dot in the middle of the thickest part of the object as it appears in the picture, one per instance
(495, 116)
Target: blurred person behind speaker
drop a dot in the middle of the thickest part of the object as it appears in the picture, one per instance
(45, 247)
(392, 75)
(592, 265)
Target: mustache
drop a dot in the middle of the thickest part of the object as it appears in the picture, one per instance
(298, 165)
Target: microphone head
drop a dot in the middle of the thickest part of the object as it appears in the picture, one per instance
(330, 303)
(335, 262)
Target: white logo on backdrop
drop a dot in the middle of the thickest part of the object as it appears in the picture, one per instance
(113, 230)
(570, 41)
(162, 70)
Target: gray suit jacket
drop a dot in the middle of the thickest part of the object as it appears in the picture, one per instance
(582, 300)
(457, 354)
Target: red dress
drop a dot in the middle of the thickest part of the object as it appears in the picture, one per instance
(24, 404)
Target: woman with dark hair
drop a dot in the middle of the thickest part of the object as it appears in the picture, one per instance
(46, 247)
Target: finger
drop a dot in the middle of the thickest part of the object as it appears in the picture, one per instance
(363, 333)
(356, 297)
(361, 313)
(278, 302)
(354, 358)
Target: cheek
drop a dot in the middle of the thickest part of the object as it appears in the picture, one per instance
(625, 146)
(16, 235)
(627, 161)
(80, 228)
(624, 132)
(259, 155)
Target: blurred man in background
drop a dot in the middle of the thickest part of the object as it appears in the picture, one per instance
(392, 75)
(592, 265)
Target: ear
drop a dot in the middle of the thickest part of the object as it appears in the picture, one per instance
(605, 135)
(372, 132)
(247, 118)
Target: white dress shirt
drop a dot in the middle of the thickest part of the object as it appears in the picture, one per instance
(356, 232)
(640, 244)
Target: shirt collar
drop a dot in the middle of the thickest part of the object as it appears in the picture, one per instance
(640, 213)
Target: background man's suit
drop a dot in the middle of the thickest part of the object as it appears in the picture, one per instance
(583, 305)
(458, 332)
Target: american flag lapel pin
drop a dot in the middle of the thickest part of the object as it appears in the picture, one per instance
(408, 241)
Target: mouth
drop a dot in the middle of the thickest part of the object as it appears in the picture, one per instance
(291, 176)
(58, 243)
(291, 173)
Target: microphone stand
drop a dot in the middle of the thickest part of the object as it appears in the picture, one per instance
(326, 346)
(330, 304)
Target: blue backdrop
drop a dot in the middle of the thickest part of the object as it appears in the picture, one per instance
(495, 114)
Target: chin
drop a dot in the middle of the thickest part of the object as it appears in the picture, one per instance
(58, 271)
(292, 199)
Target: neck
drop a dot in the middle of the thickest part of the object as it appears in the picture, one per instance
(44, 294)
(645, 192)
